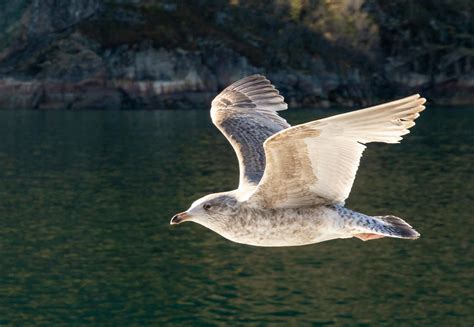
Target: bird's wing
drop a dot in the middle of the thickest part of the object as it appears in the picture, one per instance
(246, 113)
(316, 163)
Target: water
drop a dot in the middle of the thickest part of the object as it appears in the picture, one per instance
(85, 203)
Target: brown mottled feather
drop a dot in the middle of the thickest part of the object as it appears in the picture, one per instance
(246, 113)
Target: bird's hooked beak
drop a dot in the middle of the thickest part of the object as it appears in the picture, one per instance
(179, 218)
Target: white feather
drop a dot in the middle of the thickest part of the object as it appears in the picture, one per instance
(316, 163)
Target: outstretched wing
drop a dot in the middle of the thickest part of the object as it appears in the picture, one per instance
(316, 163)
(246, 113)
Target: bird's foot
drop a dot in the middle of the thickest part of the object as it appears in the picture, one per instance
(368, 236)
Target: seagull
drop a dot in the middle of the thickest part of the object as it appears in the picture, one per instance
(294, 180)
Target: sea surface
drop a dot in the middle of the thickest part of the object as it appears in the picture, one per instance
(86, 199)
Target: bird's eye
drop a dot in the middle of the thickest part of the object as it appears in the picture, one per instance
(206, 206)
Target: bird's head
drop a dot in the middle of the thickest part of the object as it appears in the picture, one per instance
(208, 210)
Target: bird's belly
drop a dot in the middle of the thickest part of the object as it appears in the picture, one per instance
(289, 227)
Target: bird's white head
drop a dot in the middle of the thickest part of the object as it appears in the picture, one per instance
(209, 210)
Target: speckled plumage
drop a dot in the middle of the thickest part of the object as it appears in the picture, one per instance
(294, 180)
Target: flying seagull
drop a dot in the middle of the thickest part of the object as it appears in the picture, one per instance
(294, 180)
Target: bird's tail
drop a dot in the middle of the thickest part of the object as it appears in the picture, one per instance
(386, 226)
(397, 227)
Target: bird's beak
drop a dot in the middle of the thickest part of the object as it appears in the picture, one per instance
(179, 218)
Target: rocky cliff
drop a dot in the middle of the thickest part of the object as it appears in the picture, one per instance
(154, 54)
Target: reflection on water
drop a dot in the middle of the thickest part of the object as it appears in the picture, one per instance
(86, 198)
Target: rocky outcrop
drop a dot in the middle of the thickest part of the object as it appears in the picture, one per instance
(52, 16)
(73, 76)
(153, 54)
(28, 21)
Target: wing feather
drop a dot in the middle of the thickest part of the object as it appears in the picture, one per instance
(316, 163)
(246, 113)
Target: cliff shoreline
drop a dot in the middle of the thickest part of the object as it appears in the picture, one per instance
(157, 54)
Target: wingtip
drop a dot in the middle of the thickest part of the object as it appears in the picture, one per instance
(419, 98)
(255, 76)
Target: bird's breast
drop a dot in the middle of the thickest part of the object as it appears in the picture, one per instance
(276, 227)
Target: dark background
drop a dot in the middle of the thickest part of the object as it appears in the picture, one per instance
(133, 54)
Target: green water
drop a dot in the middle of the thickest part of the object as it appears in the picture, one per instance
(85, 204)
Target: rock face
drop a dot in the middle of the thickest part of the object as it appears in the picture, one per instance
(153, 54)
(51, 16)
